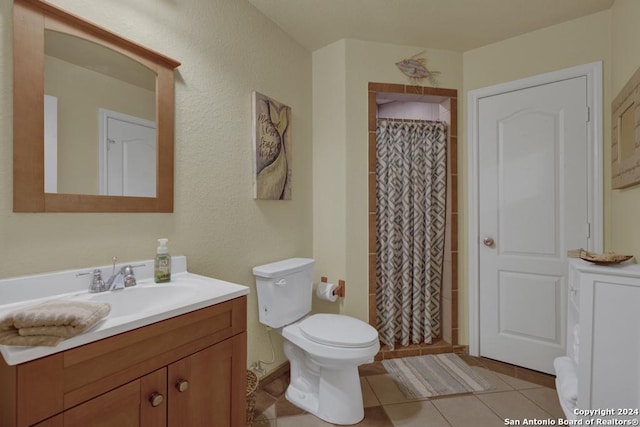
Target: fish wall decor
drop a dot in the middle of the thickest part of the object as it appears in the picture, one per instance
(416, 70)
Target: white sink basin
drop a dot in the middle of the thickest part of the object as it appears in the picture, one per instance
(141, 299)
(131, 308)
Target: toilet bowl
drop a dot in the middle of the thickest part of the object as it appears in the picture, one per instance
(324, 350)
(324, 367)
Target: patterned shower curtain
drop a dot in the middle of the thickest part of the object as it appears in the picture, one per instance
(411, 194)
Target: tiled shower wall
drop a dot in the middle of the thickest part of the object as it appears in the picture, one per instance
(446, 100)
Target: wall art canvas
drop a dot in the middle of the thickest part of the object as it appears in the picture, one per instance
(271, 148)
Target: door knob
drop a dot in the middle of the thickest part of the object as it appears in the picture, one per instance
(156, 399)
(488, 241)
(182, 385)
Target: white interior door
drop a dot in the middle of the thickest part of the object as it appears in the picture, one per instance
(532, 208)
(128, 155)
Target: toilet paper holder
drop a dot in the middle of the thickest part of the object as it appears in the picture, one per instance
(339, 291)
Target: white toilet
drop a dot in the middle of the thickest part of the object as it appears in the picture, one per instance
(324, 350)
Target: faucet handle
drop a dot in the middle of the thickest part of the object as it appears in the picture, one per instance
(97, 284)
(129, 277)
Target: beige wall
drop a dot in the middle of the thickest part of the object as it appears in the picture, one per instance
(576, 42)
(227, 49)
(341, 153)
(625, 56)
(329, 166)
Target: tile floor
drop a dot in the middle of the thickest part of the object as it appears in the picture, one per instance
(386, 406)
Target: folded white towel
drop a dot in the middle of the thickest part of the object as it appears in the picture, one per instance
(50, 322)
(567, 407)
(566, 379)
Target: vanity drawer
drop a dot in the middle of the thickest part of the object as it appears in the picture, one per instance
(55, 383)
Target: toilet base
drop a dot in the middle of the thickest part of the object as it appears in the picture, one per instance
(331, 393)
(336, 402)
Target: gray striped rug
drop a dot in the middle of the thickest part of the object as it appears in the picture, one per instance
(435, 375)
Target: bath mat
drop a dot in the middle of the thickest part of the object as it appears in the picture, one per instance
(435, 375)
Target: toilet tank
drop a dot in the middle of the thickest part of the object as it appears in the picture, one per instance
(284, 290)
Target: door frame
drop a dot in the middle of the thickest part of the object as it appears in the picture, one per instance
(593, 73)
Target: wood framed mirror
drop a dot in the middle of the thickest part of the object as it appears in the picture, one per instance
(37, 26)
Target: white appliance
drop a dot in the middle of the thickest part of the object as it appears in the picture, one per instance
(324, 350)
(599, 378)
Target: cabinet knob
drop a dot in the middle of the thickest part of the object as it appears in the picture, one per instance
(182, 385)
(156, 399)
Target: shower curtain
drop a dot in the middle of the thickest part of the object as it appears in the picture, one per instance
(411, 194)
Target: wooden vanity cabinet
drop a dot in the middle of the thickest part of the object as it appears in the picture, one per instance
(181, 372)
(128, 405)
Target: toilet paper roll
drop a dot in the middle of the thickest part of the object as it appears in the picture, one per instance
(325, 290)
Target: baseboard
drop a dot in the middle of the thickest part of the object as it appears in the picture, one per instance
(461, 349)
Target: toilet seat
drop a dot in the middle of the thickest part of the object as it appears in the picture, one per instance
(338, 331)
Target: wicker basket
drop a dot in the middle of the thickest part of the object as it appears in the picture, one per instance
(252, 386)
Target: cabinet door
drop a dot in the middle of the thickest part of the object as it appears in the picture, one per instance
(57, 421)
(208, 388)
(126, 406)
(609, 363)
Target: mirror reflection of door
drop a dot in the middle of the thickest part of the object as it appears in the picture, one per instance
(127, 150)
(50, 144)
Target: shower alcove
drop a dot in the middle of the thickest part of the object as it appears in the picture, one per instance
(419, 103)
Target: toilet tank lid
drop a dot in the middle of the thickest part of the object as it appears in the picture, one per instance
(282, 268)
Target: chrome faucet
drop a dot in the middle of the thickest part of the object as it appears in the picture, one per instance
(116, 281)
(124, 278)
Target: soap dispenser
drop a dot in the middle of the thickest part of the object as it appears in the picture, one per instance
(162, 265)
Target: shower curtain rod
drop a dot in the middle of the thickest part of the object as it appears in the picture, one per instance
(410, 120)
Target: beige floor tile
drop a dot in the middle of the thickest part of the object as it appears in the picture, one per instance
(415, 414)
(513, 405)
(277, 387)
(547, 399)
(466, 411)
(516, 383)
(375, 416)
(494, 378)
(368, 396)
(284, 408)
(265, 403)
(305, 420)
(261, 421)
(266, 413)
(374, 368)
(386, 390)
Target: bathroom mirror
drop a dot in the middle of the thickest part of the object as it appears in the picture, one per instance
(72, 80)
